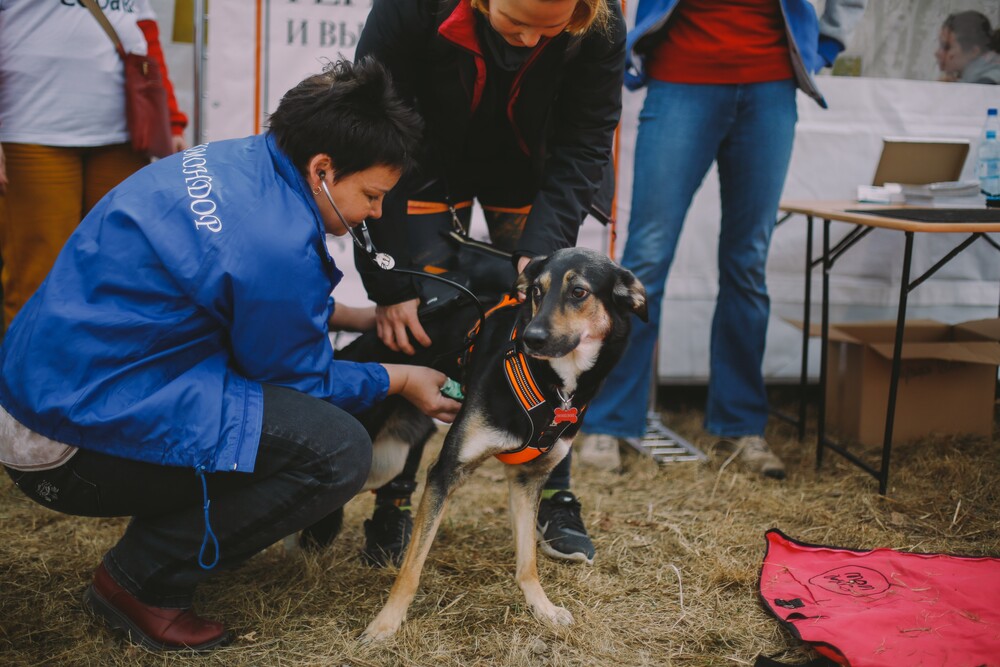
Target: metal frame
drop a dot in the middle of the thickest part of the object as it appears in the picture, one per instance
(660, 442)
(827, 260)
(198, 130)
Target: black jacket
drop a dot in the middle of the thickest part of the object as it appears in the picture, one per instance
(564, 107)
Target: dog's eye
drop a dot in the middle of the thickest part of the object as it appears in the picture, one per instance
(536, 292)
(579, 293)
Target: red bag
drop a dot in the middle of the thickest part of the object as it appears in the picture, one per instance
(146, 112)
(883, 607)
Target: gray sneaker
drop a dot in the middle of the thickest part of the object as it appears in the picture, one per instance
(560, 529)
(756, 456)
(598, 450)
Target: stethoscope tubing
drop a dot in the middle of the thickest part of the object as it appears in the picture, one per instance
(385, 261)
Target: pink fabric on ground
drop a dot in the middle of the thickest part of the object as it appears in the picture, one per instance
(885, 607)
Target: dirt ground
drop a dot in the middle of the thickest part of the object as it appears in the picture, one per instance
(679, 548)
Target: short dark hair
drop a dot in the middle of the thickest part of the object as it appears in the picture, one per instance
(352, 113)
(971, 29)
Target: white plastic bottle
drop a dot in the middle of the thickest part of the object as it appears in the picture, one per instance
(988, 166)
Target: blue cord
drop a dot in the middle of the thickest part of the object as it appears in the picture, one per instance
(208, 526)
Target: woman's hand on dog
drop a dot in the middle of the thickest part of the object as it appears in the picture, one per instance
(392, 323)
(421, 386)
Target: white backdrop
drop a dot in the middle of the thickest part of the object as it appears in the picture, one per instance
(257, 50)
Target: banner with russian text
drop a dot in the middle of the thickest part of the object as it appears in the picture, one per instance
(258, 50)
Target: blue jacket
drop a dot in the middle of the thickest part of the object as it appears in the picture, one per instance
(814, 42)
(191, 283)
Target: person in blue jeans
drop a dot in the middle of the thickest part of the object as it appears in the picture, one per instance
(721, 81)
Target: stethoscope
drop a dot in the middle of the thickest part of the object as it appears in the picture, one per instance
(385, 261)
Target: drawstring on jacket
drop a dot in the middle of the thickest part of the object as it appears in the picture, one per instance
(209, 535)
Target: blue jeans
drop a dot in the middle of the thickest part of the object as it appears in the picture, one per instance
(313, 458)
(748, 129)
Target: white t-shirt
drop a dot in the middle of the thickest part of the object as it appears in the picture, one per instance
(61, 81)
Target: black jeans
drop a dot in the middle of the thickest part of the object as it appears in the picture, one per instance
(313, 457)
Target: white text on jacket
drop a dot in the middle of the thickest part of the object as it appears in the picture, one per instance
(199, 187)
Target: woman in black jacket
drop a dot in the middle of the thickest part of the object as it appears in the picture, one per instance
(521, 99)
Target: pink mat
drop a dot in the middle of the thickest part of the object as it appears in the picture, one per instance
(885, 607)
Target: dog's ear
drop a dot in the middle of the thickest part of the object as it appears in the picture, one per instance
(531, 271)
(630, 294)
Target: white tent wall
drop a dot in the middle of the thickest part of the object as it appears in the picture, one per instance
(257, 50)
(180, 61)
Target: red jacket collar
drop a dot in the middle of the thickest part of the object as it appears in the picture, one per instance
(460, 27)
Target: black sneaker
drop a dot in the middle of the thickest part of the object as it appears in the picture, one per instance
(323, 532)
(560, 529)
(386, 535)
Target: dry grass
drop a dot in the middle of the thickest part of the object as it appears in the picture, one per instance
(674, 583)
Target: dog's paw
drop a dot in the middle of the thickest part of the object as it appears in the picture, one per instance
(379, 630)
(553, 615)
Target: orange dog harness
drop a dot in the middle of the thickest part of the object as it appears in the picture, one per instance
(547, 423)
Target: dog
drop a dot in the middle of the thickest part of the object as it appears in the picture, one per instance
(532, 367)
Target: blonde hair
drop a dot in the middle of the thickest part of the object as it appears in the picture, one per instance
(587, 15)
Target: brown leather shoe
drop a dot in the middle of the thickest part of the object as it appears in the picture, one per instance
(157, 628)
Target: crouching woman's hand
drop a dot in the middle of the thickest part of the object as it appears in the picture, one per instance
(421, 386)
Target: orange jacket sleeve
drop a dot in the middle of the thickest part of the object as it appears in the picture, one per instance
(178, 120)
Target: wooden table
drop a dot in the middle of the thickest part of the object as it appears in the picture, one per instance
(866, 218)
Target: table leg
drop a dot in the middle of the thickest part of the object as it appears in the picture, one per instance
(824, 339)
(890, 414)
(804, 372)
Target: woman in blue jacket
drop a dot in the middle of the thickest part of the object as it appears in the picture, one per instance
(721, 82)
(179, 350)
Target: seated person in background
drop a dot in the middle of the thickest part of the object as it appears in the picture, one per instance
(179, 351)
(968, 49)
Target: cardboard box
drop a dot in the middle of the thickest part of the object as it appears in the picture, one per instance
(947, 381)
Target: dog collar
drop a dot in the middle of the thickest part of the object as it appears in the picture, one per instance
(547, 423)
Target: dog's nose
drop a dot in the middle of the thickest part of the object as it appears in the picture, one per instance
(534, 337)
